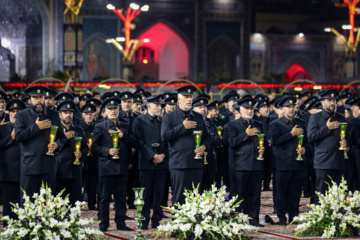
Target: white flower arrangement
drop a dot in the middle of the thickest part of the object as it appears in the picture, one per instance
(337, 215)
(48, 217)
(205, 216)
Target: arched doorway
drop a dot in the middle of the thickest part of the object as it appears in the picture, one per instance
(296, 72)
(170, 58)
(222, 60)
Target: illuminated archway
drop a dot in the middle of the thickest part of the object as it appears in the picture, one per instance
(296, 72)
(171, 53)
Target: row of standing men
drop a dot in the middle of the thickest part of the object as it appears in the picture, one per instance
(229, 143)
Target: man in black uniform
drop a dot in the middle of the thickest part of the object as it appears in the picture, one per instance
(136, 106)
(32, 130)
(126, 116)
(200, 106)
(113, 172)
(170, 104)
(83, 99)
(241, 136)
(341, 99)
(69, 175)
(90, 169)
(4, 118)
(97, 104)
(177, 129)
(65, 96)
(10, 160)
(213, 117)
(50, 98)
(324, 133)
(289, 171)
(153, 161)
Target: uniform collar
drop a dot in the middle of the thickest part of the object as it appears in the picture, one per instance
(326, 114)
(150, 118)
(243, 120)
(72, 127)
(109, 122)
(287, 121)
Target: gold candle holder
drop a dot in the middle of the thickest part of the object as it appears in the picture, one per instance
(115, 139)
(53, 131)
(205, 160)
(343, 126)
(300, 139)
(77, 149)
(220, 132)
(139, 204)
(90, 140)
(261, 138)
(197, 135)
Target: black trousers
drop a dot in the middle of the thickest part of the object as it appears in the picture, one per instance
(32, 183)
(182, 179)
(274, 184)
(91, 184)
(268, 169)
(10, 194)
(247, 185)
(165, 199)
(116, 185)
(322, 176)
(133, 181)
(153, 182)
(289, 188)
(72, 187)
(208, 179)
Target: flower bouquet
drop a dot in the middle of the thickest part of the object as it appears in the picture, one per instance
(337, 215)
(48, 217)
(205, 216)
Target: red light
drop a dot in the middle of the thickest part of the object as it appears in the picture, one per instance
(145, 61)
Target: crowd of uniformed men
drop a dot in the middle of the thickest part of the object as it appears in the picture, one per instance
(156, 148)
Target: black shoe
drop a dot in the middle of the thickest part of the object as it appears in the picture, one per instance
(145, 225)
(257, 225)
(154, 224)
(93, 208)
(267, 189)
(103, 228)
(268, 219)
(124, 228)
(129, 218)
(282, 223)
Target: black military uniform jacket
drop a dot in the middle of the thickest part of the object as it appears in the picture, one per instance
(244, 149)
(326, 143)
(102, 142)
(355, 140)
(182, 141)
(33, 141)
(215, 142)
(90, 162)
(147, 131)
(285, 145)
(128, 122)
(65, 167)
(9, 155)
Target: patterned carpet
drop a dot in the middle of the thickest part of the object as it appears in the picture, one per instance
(265, 233)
